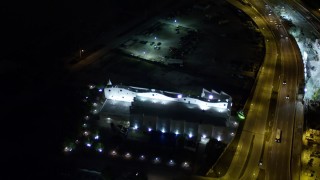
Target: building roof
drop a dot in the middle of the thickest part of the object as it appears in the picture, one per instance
(178, 111)
(210, 108)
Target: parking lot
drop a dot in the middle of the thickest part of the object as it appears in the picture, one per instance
(163, 42)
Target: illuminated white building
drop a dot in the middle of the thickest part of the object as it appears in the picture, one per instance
(150, 109)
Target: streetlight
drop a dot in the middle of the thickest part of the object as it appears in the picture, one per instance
(81, 51)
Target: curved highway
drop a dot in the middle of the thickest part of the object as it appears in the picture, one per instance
(251, 148)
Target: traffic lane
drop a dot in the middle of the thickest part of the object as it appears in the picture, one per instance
(252, 170)
(270, 57)
(240, 156)
(297, 143)
(282, 152)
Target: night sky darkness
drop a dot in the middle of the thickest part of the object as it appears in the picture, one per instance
(37, 103)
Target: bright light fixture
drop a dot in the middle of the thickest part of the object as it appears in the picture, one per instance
(113, 153)
(86, 133)
(96, 137)
(185, 164)
(142, 157)
(127, 155)
(219, 138)
(163, 130)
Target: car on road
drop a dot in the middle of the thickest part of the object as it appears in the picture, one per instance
(287, 97)
(284, 82)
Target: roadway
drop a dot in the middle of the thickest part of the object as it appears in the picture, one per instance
(278, 155)
(247, 156)
(284, 161)
(245, 163)
(266, 81)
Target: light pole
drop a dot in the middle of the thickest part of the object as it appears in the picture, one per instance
(81, 51)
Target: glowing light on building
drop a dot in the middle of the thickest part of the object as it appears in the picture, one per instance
(163, 130)
(203, 106)
(171, 163)
(177, 132)
(127, 155)
(142, 157)
(156, 160)
(241, 115)
(208, 101)
(219, 138)
(128, 94)
(185, 165)
(235, 124)
(113, 153)
(135, 127)
(204, 139)
(96, 137)
(85, 133)
(91, 86)
(67, 149)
